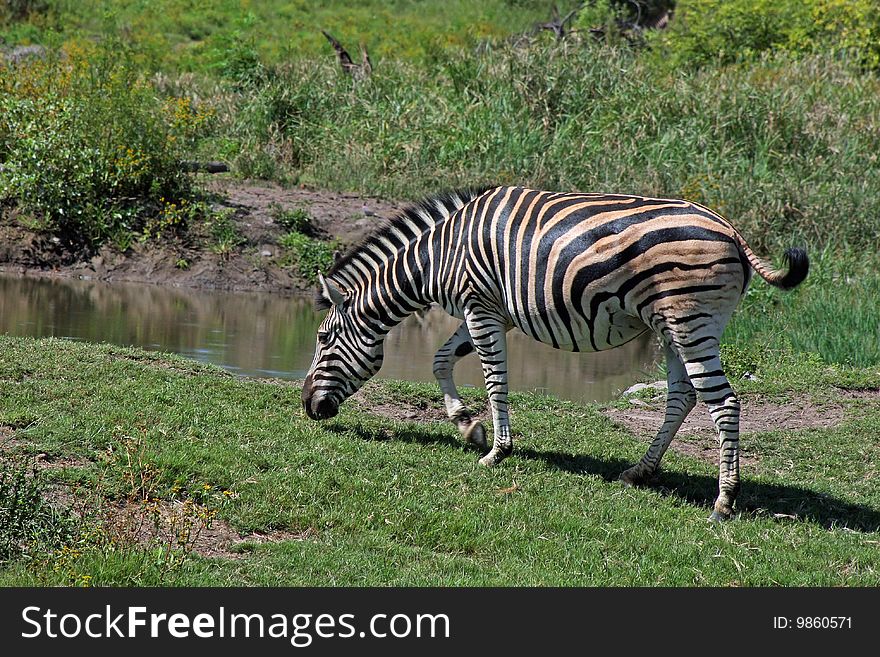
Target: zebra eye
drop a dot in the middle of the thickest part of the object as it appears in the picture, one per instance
(323, 336)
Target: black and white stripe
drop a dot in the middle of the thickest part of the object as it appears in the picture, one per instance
(581, 272)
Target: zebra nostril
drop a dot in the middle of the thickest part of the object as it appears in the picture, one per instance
(325, 408)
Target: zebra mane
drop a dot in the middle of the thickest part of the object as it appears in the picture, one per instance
(415, 219)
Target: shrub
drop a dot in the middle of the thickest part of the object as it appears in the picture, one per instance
(223, 233)
(28, 523)
(88, 148)
(307, 254)
(725, 31)
(296, 220)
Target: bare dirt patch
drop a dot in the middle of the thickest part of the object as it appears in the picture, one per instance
(177, 524)
(186, 526)
(409, 411)
(347, 217)
(696, 437)
(255, 265)
(868, 394)
(404, 412)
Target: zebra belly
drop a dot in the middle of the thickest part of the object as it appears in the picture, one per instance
(611, 328)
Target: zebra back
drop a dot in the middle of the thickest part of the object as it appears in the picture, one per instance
(391, 235)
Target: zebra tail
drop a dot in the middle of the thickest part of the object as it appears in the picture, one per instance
(797, 265)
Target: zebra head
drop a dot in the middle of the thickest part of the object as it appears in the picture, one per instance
(347, 355)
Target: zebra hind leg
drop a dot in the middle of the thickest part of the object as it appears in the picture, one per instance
(705, 372)
(680, 400)
(455, 348)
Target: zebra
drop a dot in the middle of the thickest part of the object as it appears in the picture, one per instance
(578, 271)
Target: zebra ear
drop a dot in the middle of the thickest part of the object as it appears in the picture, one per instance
(330, 291)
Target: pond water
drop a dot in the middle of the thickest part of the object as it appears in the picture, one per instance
(264, 335)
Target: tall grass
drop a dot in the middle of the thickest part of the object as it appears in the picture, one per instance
(786, 148)
(834, 313)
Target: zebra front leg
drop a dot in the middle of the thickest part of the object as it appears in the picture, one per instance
(680, 400)
(456, 347)
(489, 337)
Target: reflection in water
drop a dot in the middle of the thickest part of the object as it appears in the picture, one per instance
(262, 335)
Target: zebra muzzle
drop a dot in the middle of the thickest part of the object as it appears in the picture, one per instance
(318, 406)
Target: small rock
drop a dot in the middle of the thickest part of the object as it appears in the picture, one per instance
(22, 53)
(266, 254)
(657, 385)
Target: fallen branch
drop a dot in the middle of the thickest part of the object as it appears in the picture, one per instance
(205, 167)
(557, 24)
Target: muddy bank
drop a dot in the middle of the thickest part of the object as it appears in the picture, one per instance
(257, 264)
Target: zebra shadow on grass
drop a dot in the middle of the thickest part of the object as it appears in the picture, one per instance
(423, 435)
(756, 499)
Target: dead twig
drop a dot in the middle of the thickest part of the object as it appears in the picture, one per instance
(357, 71)
(557, 24)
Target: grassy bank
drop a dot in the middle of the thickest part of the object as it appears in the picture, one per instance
(126, 440)
(766, 112)
(834, 313)
(782, 140)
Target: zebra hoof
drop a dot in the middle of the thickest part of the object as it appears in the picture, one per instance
(492, 458)
(475, 434)
(717, 516)
(630, 478)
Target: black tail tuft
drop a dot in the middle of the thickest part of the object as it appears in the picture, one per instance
(798, 265)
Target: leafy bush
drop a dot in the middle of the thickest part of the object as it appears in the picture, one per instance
(724, 31)
(223, 233)
(87, 147)
(307, 254)
(236, 57)
(28, 523)
(296, 220)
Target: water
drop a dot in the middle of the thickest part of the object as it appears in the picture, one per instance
(264, 335)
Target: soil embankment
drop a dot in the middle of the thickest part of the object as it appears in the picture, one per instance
(257, 264)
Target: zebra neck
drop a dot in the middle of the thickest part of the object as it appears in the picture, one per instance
(391, 290)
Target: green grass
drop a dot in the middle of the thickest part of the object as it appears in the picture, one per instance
(182, 35)
(834, 313)
(404, 503)
(784, 148)
(307, 254)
